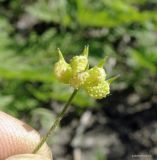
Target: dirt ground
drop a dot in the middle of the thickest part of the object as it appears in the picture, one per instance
(122, 129)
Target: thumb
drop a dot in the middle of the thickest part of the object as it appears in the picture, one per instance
(16, 137)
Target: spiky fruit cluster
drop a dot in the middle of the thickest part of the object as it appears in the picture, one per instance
(79, 79)
(98, 91)
(95, 76)
(78, 63)
(62, 69)
(95, 84)
(78, 75)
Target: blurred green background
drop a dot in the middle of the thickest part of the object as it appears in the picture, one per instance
(31, 31)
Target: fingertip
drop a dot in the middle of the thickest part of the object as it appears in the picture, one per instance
(27, 157)
(16, 137)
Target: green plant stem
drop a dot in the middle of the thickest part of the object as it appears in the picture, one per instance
(56, 122)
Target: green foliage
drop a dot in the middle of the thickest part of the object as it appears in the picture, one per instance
(50, 11)
(110, 13)
(99, 156)
(32, 31)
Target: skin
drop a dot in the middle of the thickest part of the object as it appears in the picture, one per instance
(16, 137)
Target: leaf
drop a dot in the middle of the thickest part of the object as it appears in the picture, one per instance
(144, 61)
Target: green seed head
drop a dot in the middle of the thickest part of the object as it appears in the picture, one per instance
(99, 91)
(62, 69)
(79, 63)
(78, 74)
(96, 75)
(79, 79)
